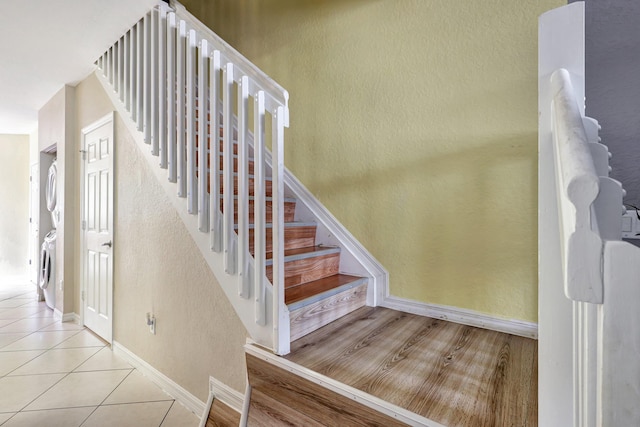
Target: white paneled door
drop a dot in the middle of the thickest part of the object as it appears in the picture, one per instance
(97, 227)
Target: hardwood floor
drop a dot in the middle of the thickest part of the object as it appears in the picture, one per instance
(453, 374)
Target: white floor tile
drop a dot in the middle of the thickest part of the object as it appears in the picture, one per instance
(4, 417)
(148, 414)
(63, 326)
(39, 341)
(13, 302)
(10, 360)
(79, 389)
(69, 417)
(17, 392)
(83, 338)
(102, 361)
(57, 360)
(27, 325)
(5, 322)
(20, 312)
(6, 339)
(136, 388)
(179, 416)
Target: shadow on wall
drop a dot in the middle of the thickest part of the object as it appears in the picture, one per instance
(451, 206)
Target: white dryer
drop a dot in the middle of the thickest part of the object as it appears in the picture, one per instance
(48, 269)
(52, 193)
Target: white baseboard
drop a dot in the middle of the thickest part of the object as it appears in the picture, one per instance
(463, 316)
(187, 399)
(230, 397)
(71, 317)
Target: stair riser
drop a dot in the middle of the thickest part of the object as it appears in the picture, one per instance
(294, 237)
(267, 185)
(289, 211)
(235, 163)
(308, 269)
(235, 145)
(314, 316)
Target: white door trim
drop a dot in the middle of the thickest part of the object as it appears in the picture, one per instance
(83, 214)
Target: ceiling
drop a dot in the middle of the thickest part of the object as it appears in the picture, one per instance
(46, 44)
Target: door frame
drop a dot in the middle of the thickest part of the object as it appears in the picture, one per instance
(110, 117)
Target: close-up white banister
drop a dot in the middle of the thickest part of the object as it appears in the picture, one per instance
(578, 188)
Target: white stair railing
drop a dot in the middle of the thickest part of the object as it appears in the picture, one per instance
(589, 290)
(176, 78)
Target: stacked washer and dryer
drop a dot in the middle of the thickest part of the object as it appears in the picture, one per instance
(48, 252)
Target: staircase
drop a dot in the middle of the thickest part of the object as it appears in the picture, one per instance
(287, 266)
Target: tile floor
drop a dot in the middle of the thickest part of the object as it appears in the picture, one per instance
(60, 374)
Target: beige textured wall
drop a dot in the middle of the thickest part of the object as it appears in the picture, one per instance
(415, 123)
(158, 269)
(14, 205)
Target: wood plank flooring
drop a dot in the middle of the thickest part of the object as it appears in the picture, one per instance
(454, 374)
(221, 415)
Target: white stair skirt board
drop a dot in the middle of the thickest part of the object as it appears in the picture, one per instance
(349, 392)
(187, 399)
(463, 316)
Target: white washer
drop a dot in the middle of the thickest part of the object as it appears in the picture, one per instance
(52, 192)
(48, 269)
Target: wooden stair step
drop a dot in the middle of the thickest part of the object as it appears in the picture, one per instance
(296, 235)
(306, 318)
(235, 163)
(267, 184)
(306, 264)
(289, 208)
(308, 293)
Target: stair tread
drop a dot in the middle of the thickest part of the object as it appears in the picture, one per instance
(303, 253)
(304, 294)
(292, 224)
(251, 176)
(267, 198)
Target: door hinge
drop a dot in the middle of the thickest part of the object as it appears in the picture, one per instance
(84, 225)
(84, 154)
(82, 295)
(29, 262)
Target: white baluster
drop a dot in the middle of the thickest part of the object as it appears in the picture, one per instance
(171, 96)
(281, 330)
(121, 69)
(126, 58)
(140, 74)
(259, 216)
(181, 87)
(192, 189)
(215, 70)
(243, 188)
(114, 64)
(133, 65)
(146, 85)
(162, 85)
(154, 78)
(228, 208)
(203, 136)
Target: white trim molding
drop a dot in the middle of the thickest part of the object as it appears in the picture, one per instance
(463, 316)
(71, 317)
(172, 388)
(225, 394)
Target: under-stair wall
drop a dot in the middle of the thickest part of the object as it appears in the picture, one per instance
(168, 64)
